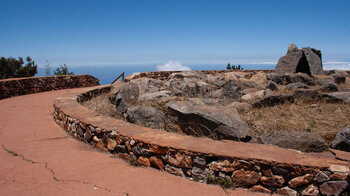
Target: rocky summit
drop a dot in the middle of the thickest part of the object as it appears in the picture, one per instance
(306, 60)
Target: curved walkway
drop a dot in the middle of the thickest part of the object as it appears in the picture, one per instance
(38, 158)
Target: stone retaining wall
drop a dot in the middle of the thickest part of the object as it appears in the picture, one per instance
(262, 168)
(21, 86)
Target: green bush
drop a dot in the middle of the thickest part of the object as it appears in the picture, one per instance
(13, 68)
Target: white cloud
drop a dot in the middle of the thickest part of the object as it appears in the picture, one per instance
(340, 65)
(172, 66)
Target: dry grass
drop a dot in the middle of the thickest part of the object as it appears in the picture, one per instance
(324, 119)
(101, 105)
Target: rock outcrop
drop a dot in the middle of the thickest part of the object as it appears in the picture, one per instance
(195, 118)
(307, 60)
(342, 140)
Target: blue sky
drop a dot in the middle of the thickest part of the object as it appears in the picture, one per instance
(130, 32)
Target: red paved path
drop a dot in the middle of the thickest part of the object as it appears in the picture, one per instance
(49, 162)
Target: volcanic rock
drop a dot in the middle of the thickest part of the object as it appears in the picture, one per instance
(342, 140)
(146, 116)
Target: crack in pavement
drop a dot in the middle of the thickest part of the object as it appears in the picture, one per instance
(53, 174)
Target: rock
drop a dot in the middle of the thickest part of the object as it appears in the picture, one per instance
(199, 160)
(292, 48)
(273, 181)
(299, 77)
(256, 95)
(260, 189)
(273, 100)
(308, 60)
(301, 180)
(303, 141)
(158, 150)
(246, 177)
(292, 62)
(174, 170)
(126, 97)
(323, 79)
(196, 118)
(281, 172)
(101, 146)
(144, 161)
(333, 187)
(339, 79)
(148, 85)
(314, 60)
(296, 85)
(180, 160)
(146, 116)
(311, 190)
(201, 174)
(287, 191)
(124, 156)
(88, 135)
(329, 87)
(120, 148)
(342, 140)
(259, 78)
(223, 166)
(155, 96)
(337, 97)
(188, 74)
(156, 161)
(190, 88)
(111, 144)
(230, 90)
(305, 94)
(272, 86)
(321, 177)
(339, 176)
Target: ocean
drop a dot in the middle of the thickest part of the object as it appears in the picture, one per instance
(107, 74)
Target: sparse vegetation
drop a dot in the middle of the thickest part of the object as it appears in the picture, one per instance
(62, 70)
(234, 67)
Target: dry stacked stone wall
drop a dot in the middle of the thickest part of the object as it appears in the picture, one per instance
(231, 172)
(21, 86)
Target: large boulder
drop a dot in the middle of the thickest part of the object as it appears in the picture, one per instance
(303, 141)
(307, 60)
(342, 140)
(195, 118)
(337, 97)
(126, 96)
(273, 100)
(230, 90)
(146, 116)
(155, 96)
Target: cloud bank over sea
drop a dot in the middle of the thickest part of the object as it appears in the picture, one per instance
(340, 65)
(172, 66)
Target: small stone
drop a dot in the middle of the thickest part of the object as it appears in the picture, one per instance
(128, 146)
(96, 139)
(311, 190)
(101, 146)
(132, 142)
(339, 79)
(267, 172)
(158, 150)
(111, 144)
(259, 188)
(225, 166)
(281, 172)
(273, 181)
(201, 173)
(246, 177)
(180, 160)
(272, 86)
(174, 170)
(120, 148)
(144, 161)
(339, 176)
(199, 160)
(321, 177)
(157, 162)
(301, 180)
(88, 135)
(287, 191)
(333, 187)
(245, 164)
